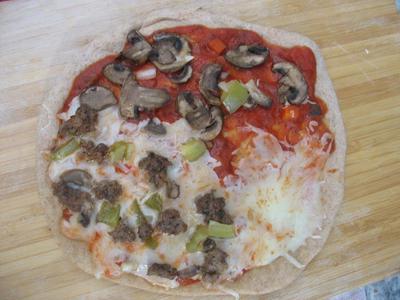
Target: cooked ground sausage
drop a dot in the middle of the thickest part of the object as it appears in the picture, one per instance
(170, 222)
(209, 245)
(145, 231)
(162, 270)
(92, 152)
(84, 121)
(156, 167)
(123, 233)
(213, 208)
(214, 264)
(70, 196)
(110, 190)
(86, 213)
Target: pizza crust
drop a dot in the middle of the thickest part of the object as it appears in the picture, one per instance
(259, 280)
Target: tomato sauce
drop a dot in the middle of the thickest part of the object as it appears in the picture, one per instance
(288, 124)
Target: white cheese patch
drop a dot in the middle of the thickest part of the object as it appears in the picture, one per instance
(274, 197)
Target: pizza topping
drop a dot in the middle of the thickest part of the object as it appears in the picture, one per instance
(135, 97)
(123, 233)
(257, 96)
(193, 149)
(146, 73)
(86, 212)
(121, 151)
(213, 208)
(156, 167)
(196, 241)
(292, 85)
(209, 83)
(170, 222)
(183, 75)
(215, 126)
(78, 178)
(144, 228)
(116, 72)
(155, 128)
(65, 149)
(219, 230)
(189, 272)
(84, 121)
(315, 110)
(155, 202)
(209, 245)
(214, 264)
(193, 110)
(247, 56)
(138, 48)
(70, 195)
(92, 152)
(97, 98)
(234, 96)
(162, 270)
(109, 190)
(109, 214)
(170, 52)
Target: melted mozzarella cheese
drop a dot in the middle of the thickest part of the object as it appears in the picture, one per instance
(274, 197)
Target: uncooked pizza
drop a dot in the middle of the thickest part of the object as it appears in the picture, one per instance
(194, 155)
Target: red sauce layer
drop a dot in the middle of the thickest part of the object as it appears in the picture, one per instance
(288, 124)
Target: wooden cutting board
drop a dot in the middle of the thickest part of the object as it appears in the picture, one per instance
(360, 41)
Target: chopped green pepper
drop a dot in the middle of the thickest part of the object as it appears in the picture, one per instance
(155, 202)
(193, 149)
(151, 243)
(220, 230)
(109, 214)
(65, 149)
(136, 209)
(120, 151)
(196, 241)
(235, 96)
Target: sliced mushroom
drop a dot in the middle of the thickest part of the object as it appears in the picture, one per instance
(116, 72)
(247, 56)
(135, 97)
(138, 50)
(183, 76)
(209, 83)
(97, 98)
(292, 85)
(77, 178)
(257, 96)
(170, 52)
(155, 128)
(193, 110)
(215, 126)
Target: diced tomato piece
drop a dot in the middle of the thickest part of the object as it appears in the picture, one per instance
(217, 46)
(290, 113)
(67, 214)
(187, 281)
(293, 137)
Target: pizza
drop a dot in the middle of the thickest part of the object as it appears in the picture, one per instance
(194, 154)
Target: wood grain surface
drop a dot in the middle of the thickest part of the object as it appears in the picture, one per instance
(360, 41)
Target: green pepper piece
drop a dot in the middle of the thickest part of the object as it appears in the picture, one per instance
(235, 96)
(196, 241)
(193, 149)
(136, 209)
(151, 243)
(65, 149)
(109, 214)
(117, 151)
(219, 230)
(130, 148)
(155, 202)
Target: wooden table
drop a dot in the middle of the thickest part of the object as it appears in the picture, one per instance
(361, 44)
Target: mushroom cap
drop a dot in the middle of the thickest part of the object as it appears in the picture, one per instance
(77, 177)
(171, 52)
(183, 76)
(292, 85)
(257, 96)
(193, 110)
(214, 128)
(134, 96)
(209, 83)
(247, 56)
(97, 97)
(116, 72)
(138, 50)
